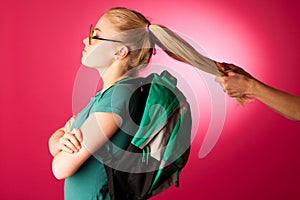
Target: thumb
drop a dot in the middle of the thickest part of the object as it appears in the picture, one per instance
(73, 119)
(231, 73)
(221, 66)
(218, 79)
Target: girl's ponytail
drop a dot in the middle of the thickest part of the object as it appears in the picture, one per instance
(140, 37)
(180, 50)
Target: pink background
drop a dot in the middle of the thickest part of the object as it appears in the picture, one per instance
(257, 155)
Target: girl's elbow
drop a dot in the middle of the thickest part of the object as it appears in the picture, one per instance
(59, 172)
(58, 176)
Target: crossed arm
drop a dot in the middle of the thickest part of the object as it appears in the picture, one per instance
(71, 149)
(238, 83)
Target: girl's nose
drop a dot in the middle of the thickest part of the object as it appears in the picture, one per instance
(85, 41)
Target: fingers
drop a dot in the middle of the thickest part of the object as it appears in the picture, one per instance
(225, 66)
(231, 66)
(231, 73)
(219, 79)
(237, 69)
(78, 134)
(72, 119)
(67, 126)
(233, 84)
(235, 94)
(220, 65)
(62, 147)
(73, 139)
(229, 83)
(221, 68)
(233, 87)
(69, 143)
(223, 79)
(232, 91)
(235, 81)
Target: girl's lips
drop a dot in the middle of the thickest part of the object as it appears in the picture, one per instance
(84, 51)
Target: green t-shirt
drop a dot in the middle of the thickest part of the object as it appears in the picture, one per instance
(90, 181)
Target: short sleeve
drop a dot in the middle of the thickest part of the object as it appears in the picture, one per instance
(121, 100)
(114, 100)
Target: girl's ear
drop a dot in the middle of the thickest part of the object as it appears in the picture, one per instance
(122, 52)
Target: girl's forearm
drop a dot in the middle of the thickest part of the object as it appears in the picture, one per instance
(54, 140)
(65, 164)
(282, 102)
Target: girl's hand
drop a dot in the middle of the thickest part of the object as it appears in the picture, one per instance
(69, 123)
(70, 142)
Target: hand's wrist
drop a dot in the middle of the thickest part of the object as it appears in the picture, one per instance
(254, 87)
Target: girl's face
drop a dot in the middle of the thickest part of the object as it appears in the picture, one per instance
(99, 44)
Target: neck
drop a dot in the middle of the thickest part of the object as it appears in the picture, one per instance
(112, 74)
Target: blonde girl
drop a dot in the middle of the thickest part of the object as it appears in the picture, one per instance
(122, 41)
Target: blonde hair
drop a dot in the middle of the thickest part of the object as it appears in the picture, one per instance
(141, 37)
(132, 27)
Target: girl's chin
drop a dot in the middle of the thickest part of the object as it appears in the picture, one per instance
(83, 59)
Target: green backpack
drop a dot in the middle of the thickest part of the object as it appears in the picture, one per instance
(161, 146)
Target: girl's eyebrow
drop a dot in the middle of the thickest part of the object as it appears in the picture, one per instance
(97, 29)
